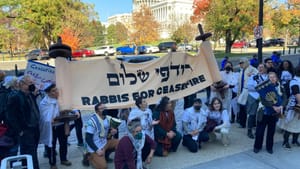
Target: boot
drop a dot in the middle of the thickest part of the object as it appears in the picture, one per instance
(232, 120)
(295, 139)
(286, 143)
(250, 134)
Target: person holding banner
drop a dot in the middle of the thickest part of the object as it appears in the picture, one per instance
(165, 133)
(99, 145)
(51, 130)
(273, 98)
(145, 114)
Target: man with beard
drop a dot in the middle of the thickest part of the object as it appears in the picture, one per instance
(23, 118)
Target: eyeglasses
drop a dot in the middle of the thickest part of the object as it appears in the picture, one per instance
(241, 63)
(269, 62)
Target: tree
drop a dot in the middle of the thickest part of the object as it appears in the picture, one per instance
(69, 38)
(117, 33)
(145, 26)
(44, 20)
(111, 34)
(121, 33)
(98, 30)
(286, 19)
(186, 31)
(231, 18)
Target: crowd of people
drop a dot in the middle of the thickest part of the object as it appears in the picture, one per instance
(29, 116)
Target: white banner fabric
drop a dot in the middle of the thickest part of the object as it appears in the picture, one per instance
(85, 83)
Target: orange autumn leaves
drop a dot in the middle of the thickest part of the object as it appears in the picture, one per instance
(69, 38)
(201, 7)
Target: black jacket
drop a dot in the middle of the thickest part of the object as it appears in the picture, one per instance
(22, 112)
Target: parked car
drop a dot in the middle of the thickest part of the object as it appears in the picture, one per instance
(152, 49)
(37, 54)
(240, 44)
(294, 41)
(185, 47)
(273, 42)
(252, 43)
(168, 46)
(105, 50)
(130, 49)
(83, 53)
(136, 59)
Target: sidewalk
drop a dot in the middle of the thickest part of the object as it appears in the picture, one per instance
(213, 155)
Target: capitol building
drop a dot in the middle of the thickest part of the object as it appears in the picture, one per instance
(170, 14)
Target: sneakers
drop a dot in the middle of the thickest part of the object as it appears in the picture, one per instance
(250, 135)
(256, 150)
(66, 163)
(286, 145)
(296, 143)
(270, 151)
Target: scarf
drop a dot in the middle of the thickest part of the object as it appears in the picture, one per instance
(138, 146)
(166, 121)
(98, 123)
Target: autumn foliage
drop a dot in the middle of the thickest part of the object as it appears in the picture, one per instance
(69, 38)
(201, 7)
(145, 26)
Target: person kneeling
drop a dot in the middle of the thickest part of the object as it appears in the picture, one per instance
(165, 134)
(99, 145)
(193, 122)
(134, 148)
(217, 121)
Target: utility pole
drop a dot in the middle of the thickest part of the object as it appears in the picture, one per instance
(260, 25)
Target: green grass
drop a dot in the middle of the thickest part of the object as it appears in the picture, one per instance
(221, 54)
(7, 57)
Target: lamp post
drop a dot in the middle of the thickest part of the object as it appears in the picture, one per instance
(260, 24)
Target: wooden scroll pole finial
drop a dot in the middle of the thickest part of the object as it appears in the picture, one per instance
(203, 36)
(60, 50)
